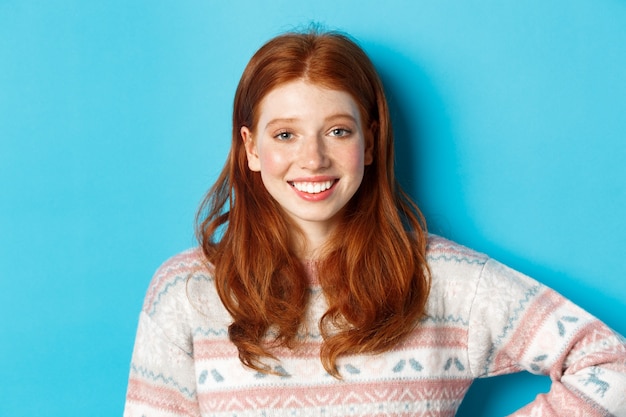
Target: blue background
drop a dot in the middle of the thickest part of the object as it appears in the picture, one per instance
(115, 118)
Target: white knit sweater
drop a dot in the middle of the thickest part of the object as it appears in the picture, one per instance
(483, 319)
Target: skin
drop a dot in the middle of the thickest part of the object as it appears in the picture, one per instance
(310, 148)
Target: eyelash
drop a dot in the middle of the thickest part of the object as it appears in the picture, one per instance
(280, 135)
(337, 132)
(344, 131)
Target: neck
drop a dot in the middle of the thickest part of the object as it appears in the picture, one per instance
(312, 241)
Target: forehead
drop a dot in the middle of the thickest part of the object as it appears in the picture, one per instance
(304, 100)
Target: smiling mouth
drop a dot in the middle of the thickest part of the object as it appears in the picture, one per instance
(312, 187)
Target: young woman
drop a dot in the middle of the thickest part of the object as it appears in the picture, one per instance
(316, 290)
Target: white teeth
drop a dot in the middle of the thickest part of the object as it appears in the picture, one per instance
(313, 187)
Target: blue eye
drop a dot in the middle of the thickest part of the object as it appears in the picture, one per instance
(284, 135)
(340, 132)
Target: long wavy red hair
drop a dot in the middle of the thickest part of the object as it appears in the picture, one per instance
(373, 271)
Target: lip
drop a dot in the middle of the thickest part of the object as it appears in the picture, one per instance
(317, 178)
(322, 195)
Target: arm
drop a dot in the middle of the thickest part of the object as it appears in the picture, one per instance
(162, 380)
(518, 324)
(162, 376)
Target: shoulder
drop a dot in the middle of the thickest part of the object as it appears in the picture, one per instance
(444, 252)
(170, 283)
(455, 273)
(463, 276)
(450, 262)
(182, 300)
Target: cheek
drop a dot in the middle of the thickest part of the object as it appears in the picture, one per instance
(354, 160)
(272, 163)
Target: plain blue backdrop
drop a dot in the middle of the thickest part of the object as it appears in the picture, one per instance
(115, 117)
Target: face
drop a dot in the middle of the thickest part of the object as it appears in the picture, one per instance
(311, 149)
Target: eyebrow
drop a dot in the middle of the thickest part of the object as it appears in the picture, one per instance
(279, 120)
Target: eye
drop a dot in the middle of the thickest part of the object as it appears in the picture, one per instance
(340, 132)
(284, 135)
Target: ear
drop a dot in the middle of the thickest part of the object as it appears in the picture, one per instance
(254, 162)
(369, 144)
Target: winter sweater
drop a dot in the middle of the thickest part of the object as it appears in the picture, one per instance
(483, 319)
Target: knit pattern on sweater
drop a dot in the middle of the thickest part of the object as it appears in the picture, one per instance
(483, 319)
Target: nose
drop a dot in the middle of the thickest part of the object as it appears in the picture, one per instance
(313, 153)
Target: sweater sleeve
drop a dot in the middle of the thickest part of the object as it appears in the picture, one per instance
(162, 376)
(518, 324)
(162, 381)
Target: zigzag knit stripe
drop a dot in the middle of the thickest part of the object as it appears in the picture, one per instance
(173, 272)
(440, 249)
(534, 316)
(354, 399)
(561, 402)
(597, 338)
(160, 397)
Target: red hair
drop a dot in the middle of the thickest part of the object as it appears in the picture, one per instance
(373, 272)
